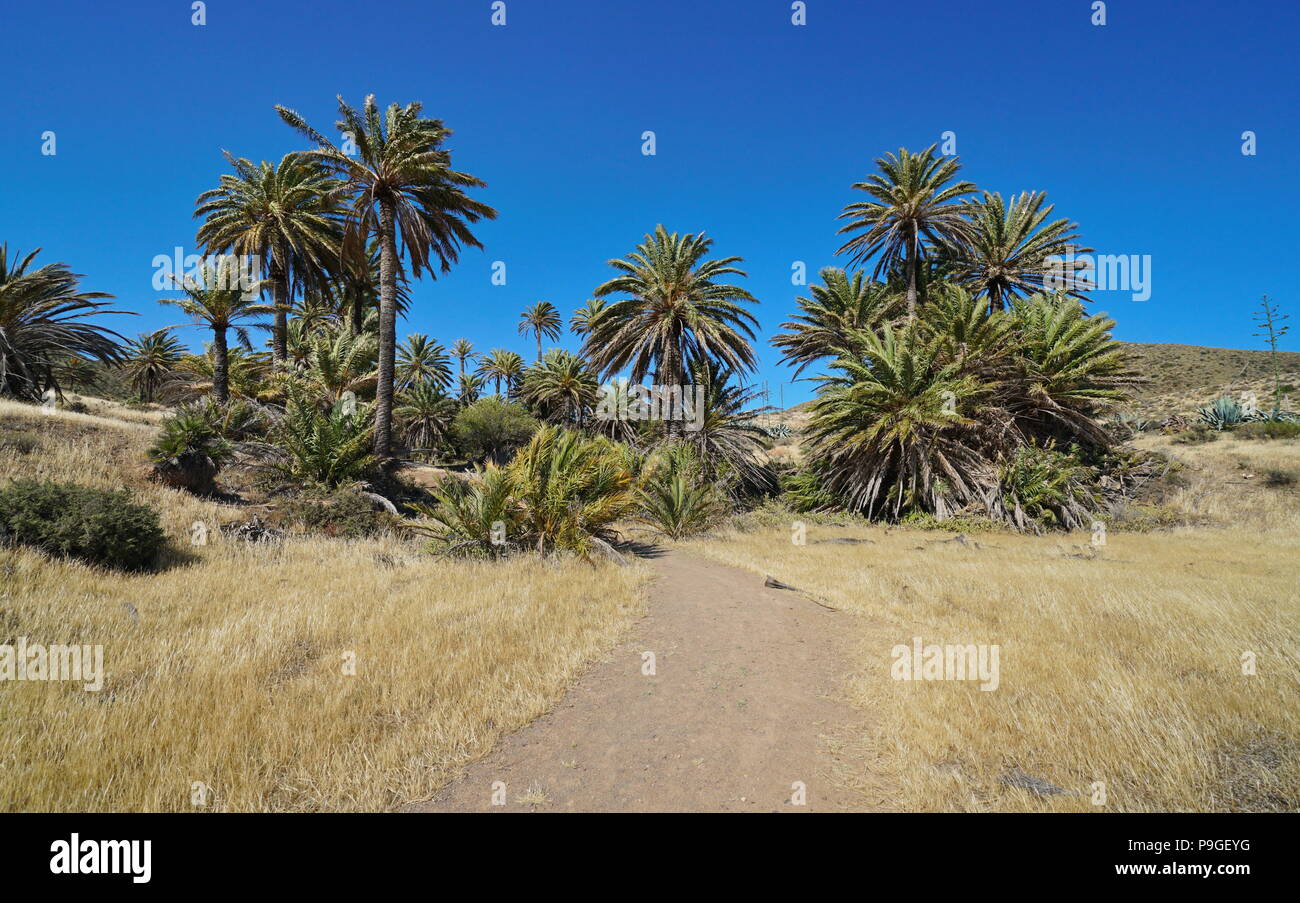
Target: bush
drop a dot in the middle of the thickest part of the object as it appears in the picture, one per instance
(1277, 429)
(675, 498)
(190, 451)
(95, 525)
(345, 513)
(1279, 479)
(492, 429)
(1043, 487)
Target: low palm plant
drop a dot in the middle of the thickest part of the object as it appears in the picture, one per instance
(190, 450)
(324, 448)
(675, 498)
(475, 515)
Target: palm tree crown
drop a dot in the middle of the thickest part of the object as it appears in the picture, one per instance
(676, 314)
(284, 215)
(400, 183)
(914, 211)
(41, 323)
(541, 319)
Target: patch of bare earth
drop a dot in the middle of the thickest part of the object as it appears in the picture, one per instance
(743, 709)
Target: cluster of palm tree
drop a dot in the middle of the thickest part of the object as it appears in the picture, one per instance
(965, 375)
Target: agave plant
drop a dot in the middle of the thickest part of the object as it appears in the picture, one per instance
(1223, 414)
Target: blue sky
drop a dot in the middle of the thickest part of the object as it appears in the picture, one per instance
(1133, 128)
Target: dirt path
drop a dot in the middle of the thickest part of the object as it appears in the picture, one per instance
(739, 709)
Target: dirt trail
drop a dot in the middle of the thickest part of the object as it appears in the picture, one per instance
(740, 708)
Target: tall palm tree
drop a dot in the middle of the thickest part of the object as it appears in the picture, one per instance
(562, 387)
(220, 310)
(354, 286)
(502, 366)
(914, 212)
(463, 350)
(400, 182)
(829, 321)
(1006, 252)
(150, 359)
(41, 314)
(584, 318)
(420, 359)
(541, 319)
(677, 314)
(284, 215)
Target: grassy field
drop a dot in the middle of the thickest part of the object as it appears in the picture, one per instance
(232, 672)
(1120, 664)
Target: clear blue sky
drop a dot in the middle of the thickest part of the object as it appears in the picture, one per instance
(1133, 129)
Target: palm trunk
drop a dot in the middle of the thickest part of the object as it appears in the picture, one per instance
(220, 365)
(911, 279)
(280, 296)
(387, 330)
(539, 346)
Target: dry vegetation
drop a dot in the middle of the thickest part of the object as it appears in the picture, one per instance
(227, 667)
(1121, 664)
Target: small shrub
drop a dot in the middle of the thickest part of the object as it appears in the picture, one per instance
(1279, 479)
(22, 442)
(190, 451)
(1276, 429)
(326, 449)
(345, 513)
(1197, 435)
(675, 497)
(98, 526)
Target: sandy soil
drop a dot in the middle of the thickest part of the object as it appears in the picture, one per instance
(744, 703)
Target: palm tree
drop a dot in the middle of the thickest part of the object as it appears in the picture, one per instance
(220, 310)
(676, 314)
(354, 286)
(728, 444)
(829, 321)
(400, 182)
(420, 359)
(914, 211)
(425, 413)
(541, 319)
(562, 387)
(584, 318)
(284, 215)
(1006, 252)
(150, 359)
(469, 389)
(341, 361)
(463, 350)
(501, 365)
(41, 314)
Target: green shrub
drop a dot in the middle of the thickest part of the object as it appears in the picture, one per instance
(345, 513)
(1278, 429)
(492, 429)
(1044, 487)
(95, 525)
(474, 516)
(1279, 479)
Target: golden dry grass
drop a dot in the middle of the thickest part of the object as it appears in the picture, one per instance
(1121, 665)
(234, 675)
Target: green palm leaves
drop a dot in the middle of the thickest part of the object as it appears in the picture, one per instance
(541, 319)
(915, 210)
(150, 359)
(562, 388)
(1012, 250)
(423, 360)
(677, 312)
(42, 314)
(284, 215)
(400, 182)
(924, 417)
(502, 366)
(828, 321)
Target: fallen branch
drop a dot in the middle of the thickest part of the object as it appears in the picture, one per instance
(773, 583)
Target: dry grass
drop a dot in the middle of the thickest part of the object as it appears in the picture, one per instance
(234, 675)
(1121, 665)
